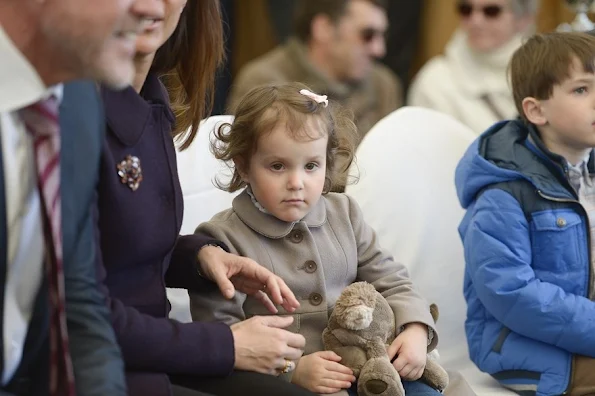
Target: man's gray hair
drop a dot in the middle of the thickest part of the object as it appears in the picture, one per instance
(524, 7)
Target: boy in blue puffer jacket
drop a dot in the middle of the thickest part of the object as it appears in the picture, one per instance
(529, 231)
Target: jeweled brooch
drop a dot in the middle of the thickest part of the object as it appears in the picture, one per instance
(130, 172)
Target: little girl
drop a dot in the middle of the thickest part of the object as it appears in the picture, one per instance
(285, 147)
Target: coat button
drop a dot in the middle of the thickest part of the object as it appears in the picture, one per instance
(561, 222)
(310, 266)
(315, 299)
(296, 236)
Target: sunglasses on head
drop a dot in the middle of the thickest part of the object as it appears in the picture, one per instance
(490, 11)
(369, 34)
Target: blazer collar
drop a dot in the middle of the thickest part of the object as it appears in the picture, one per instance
(128, 114)
(268, 225)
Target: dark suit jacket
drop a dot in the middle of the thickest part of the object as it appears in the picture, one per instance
(96, 358)
(142, 252)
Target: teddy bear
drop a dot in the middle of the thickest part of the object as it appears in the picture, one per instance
(360, 328)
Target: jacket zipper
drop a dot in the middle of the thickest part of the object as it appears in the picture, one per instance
(564, 200)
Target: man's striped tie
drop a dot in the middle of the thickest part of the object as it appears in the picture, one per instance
(41, 121)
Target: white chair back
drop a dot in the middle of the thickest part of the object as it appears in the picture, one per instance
(197, 170)
(406, 190)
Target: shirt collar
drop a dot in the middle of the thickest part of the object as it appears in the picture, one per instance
(57, 91)
(270, 226)
(20, 84)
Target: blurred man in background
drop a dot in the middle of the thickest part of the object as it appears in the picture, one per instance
(334, 50)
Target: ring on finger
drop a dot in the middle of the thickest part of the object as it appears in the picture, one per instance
(289, 366)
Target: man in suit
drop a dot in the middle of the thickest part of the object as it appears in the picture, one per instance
(44, 43)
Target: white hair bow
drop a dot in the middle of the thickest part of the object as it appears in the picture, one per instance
(315, 97)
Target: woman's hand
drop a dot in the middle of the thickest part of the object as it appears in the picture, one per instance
(232, 272)
(262, 344)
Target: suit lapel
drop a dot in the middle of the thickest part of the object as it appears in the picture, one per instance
(3, 253)
(72, 162)
(66, 166)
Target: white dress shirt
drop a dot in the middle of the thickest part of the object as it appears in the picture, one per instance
(20, 86)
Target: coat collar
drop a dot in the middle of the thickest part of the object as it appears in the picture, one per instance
(516, 146)
(534, 138)
(268, 225)
(128, 114)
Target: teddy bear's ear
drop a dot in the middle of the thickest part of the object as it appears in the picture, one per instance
(434, 312)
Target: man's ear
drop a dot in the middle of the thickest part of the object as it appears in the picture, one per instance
(534, 112)
(238, 163)
(322, 28)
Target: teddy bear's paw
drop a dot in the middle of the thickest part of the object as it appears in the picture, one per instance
(385, 386)
(379, 378)
(352, 357)
(435, 376)
(376, 386)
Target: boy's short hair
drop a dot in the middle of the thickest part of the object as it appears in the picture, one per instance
(545, 60)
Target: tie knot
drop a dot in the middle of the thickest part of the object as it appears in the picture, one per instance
(41, 118)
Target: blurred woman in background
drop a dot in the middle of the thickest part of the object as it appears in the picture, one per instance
(469, 81)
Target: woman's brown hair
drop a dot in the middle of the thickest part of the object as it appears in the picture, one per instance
(188, 63)
(265, 107)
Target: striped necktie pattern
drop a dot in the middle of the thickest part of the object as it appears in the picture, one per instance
(42, 122)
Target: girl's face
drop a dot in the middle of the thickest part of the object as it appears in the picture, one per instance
(287, 175)
(164, 15)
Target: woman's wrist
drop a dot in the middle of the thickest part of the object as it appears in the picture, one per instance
(203, 254)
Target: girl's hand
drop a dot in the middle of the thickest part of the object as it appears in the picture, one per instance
(411, 348)
(321, 372)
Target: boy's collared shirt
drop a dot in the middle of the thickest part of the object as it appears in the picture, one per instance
(584, 184)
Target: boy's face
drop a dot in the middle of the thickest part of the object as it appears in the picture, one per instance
(567, 119)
